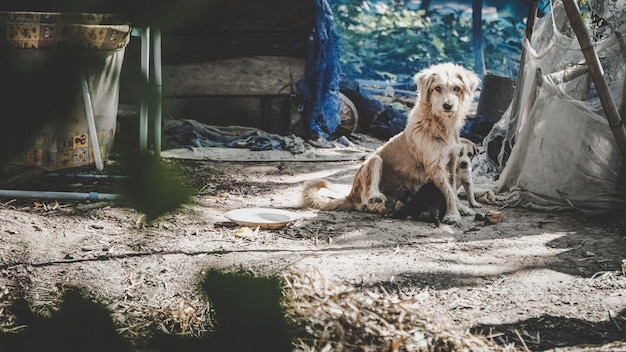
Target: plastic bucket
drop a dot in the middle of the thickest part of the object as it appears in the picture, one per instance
(45, 59)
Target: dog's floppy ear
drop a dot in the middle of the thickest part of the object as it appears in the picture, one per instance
(470, 80)
(424, 79)
(474, 150)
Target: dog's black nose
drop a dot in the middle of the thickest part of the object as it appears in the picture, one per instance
(463, 164)
(447, 107)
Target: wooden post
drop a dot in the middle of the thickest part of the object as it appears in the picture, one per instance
(595, 70)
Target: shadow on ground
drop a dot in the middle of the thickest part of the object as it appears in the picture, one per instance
(547, 332)
(79, 325)
(248, 310)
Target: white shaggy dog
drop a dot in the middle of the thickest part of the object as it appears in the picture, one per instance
(424, 151)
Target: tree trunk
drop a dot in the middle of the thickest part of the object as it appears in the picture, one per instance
(479, 40)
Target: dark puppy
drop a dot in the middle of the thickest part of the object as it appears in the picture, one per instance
(428, 204)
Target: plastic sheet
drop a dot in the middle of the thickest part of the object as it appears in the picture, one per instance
(555, 147)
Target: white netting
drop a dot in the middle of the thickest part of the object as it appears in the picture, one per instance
(557, 149)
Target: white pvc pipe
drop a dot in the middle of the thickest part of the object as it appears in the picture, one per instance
(90, 196)
(143, 105)
(158, 91)
(98, 177)
(91, 123)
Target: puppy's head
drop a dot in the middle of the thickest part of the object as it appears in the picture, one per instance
(467, 153)
(447, 88)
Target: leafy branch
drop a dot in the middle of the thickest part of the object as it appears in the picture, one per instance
(392, 42)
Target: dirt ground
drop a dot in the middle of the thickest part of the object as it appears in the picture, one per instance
(543, 281)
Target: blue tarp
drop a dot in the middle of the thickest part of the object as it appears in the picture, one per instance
(320, 86)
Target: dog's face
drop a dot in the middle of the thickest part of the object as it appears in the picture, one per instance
(447, 87)
(467, 153)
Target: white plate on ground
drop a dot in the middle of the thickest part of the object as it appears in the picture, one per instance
(266, 218)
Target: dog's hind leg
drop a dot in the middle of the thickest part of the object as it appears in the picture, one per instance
(376, 199)
(367, 184)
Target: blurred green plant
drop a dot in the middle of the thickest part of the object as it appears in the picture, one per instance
(154, 187)
(392, 42)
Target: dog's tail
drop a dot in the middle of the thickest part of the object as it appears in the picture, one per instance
(312, 199)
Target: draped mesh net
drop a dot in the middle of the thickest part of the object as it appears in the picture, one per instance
(555, 149)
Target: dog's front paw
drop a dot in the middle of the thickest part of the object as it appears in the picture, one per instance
(475, 204)
(451, 219)
(466, 211)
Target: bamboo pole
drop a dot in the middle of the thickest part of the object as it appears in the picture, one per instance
(595, 70)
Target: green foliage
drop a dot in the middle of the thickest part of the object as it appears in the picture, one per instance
(154, 188)
(393, 42)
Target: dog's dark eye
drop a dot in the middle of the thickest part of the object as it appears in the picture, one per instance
(456, 89)
(461, 153)
(470, 154)
(438, 89)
